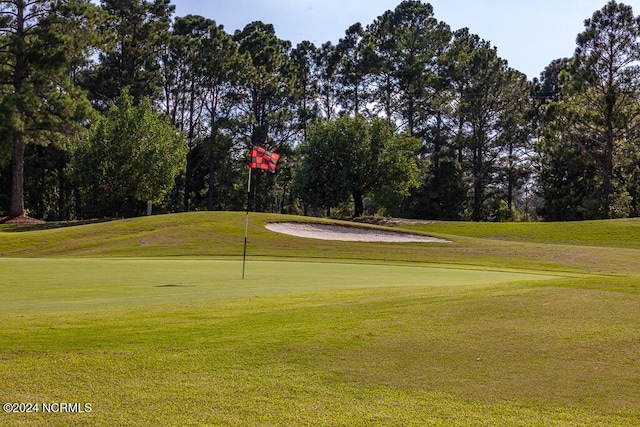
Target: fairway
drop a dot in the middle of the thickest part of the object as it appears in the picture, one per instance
(52, 285)
(148, 322)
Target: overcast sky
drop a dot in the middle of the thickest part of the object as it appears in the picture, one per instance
(528, 34)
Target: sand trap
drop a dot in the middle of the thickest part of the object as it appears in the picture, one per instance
(348, 234)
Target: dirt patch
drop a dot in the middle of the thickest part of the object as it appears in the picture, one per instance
(348, 234)
(390, 222)
(22, 219)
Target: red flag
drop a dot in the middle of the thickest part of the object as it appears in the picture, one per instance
(263, 159)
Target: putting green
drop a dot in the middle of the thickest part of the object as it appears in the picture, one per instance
(52, 285)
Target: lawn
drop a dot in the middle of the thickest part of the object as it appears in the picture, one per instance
(148, 321)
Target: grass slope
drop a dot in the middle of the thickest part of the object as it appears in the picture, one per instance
(220, 234)
(147, 320)
(619, 233)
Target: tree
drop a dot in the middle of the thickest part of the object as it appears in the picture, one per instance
(356, 62)
(326, 61)
(320, 161)
(607, 59)
(39, 104)
(398, 169)
(408, 42)
(183, 91)
(515, 160)
(351, 157)
(305, 84)
(488, 110)
(137, 31)
(222, 69)
(201, 68)
(568, 178)
(264, 110)
(131, 153)
(596, 118)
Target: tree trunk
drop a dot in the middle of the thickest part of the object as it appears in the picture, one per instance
(410, 116)
(478, 186)
(212, 167)
(358, 204)
(63, 212)
(191, 137)
(187, 179)
(511, 177)
(437, 143)
(78, 202)
(16, 206)
(115, 209)
(607, 178)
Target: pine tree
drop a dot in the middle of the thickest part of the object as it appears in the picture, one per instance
(39, 104)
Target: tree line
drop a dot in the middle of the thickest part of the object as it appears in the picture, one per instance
(105, 109)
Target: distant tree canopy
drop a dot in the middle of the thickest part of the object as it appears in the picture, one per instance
(590, 142)
(402, 116)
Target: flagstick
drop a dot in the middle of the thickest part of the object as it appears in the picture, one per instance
(246, 224)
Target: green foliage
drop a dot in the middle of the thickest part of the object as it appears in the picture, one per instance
(491, 108)
(39, 103)
(356, 62)
(305, 84)
(398, 170)
(263, 108)
(443, 194)
(408, 43)
(476, 118)
(266, 84)
(131, 153)
(136, 32)
(568, 179)
(594, 124)
(353, 157)
(201, 68)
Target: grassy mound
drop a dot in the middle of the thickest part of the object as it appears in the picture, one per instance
(619, 233)
(220, 234)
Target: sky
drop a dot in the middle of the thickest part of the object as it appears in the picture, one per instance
(529, 34)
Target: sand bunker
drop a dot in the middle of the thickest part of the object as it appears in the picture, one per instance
(348, 234)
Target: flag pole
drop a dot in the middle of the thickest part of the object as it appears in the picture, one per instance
(246, 223)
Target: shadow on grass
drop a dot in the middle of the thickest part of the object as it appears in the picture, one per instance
(174, 286)
(21, 227)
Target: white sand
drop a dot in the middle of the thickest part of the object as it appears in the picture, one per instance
(348, 234)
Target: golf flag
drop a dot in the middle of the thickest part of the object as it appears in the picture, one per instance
(263, 159)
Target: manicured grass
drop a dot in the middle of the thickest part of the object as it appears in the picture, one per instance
(148, 320)
(220, 234)
(54, 285)
(445, 355)
(620, 233)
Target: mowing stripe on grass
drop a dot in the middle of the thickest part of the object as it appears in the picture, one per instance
(28, 285)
